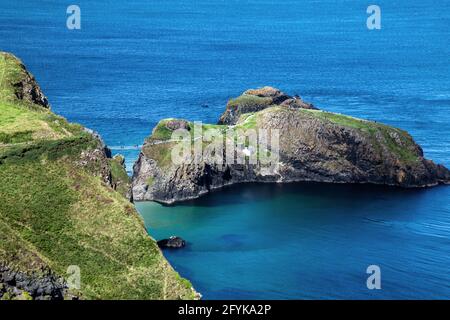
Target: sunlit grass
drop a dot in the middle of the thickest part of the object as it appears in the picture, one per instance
(56, 211)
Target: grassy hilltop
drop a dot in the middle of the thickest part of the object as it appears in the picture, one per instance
(57, 206)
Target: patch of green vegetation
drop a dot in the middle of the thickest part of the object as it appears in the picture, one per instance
(403, 151)
(118, 172)
(16, 137)
(150, 181)
(16, 251)
(161, 132)
(40, 123)
(26, 296)
(248, 121)
(249, 101)
(69, 218)
(160, 150)
(342, 120)
(119, 177)
(51, 150)
(20, 116)
(186, 283)
(219, 127)
(244, 117)
(10, 113)
(61, 125)
(11, 72)
(161, 153)
(7, 296)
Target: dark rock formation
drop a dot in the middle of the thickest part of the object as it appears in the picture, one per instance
(172, 243)
(96, 159)
(36, 286)
(110, 169)
(313, 146)
(297, 102)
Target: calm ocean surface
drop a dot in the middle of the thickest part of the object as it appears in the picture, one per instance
(134, 63)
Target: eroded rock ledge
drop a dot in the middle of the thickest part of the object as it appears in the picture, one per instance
(314, 146)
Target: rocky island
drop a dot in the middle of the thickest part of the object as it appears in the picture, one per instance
(314, 145)
(65, 208)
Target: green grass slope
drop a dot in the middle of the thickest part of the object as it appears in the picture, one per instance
(56, 211)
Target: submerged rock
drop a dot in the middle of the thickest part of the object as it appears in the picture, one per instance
(313, 145)
(172, 243)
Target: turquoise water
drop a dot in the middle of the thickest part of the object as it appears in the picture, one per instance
(133, 63)
(310, 241)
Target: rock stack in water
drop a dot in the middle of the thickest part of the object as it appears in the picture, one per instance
(314, 145)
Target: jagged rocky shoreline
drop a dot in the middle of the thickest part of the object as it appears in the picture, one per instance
(314, 145)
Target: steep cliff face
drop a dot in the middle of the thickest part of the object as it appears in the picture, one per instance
(120, 181)
(313, 145)
(63, 206)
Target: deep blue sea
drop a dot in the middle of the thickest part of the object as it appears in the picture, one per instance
(135, 62)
